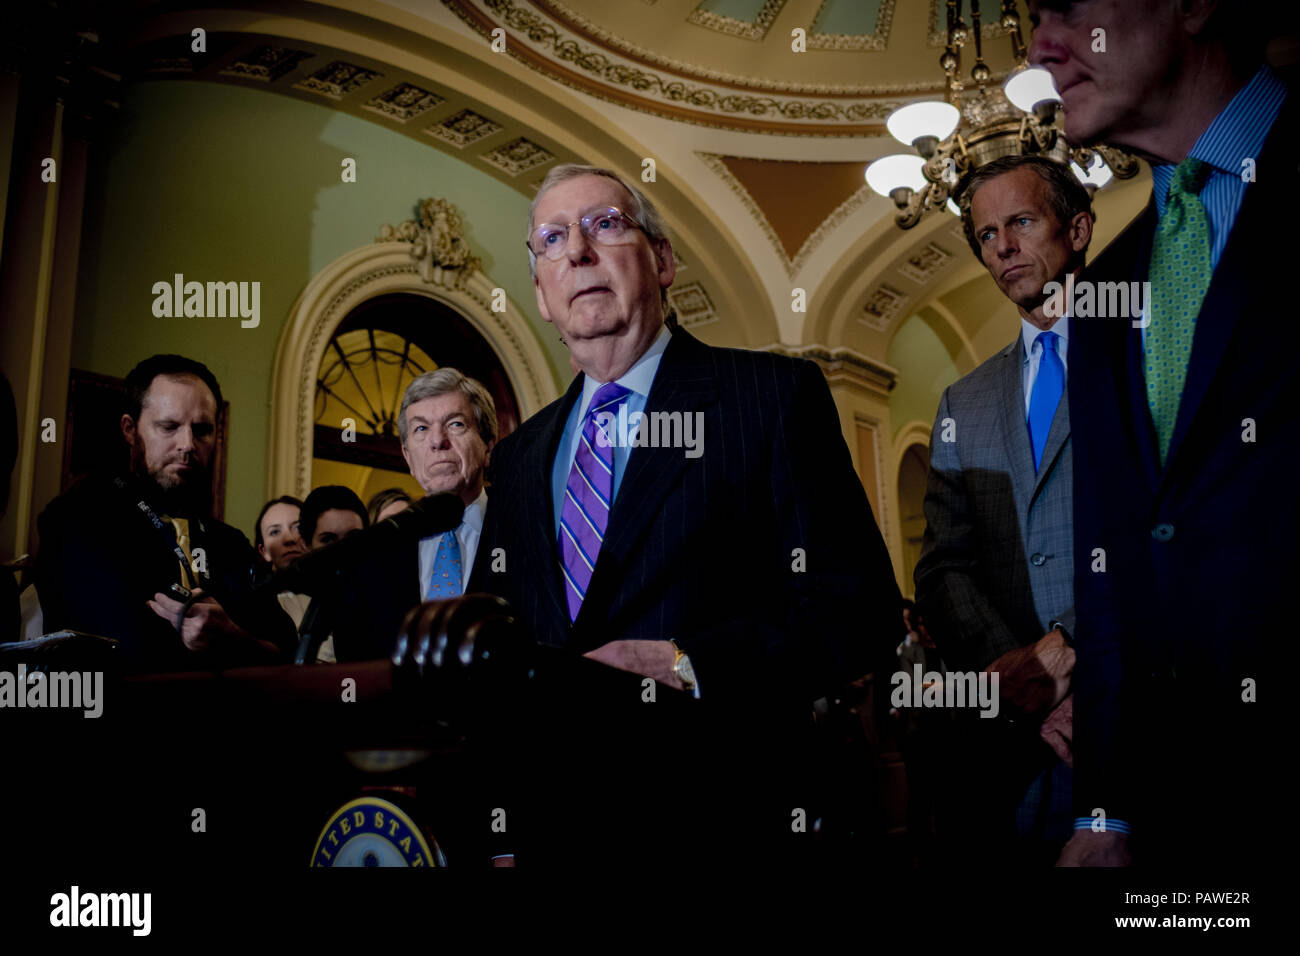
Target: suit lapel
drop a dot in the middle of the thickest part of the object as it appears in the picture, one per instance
(1126, 259)
(686, 383)
(540, 538)
(1015, 431)
(1232, 283)
(1056, 437)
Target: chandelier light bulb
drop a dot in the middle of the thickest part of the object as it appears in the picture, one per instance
(1030, 87)
(899, 171)
(933, 118)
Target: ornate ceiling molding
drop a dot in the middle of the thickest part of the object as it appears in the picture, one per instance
(746, 30)
(861, 42)
(810, 245)
(538, 43)
(569, 18)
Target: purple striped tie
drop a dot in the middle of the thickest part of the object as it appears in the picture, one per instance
(587, 497)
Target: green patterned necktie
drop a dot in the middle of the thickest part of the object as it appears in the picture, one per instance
(1180, 275)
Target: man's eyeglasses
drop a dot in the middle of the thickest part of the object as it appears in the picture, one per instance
(606, 225)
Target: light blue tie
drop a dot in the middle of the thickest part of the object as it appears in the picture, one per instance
(1046, 395)
(444, 581)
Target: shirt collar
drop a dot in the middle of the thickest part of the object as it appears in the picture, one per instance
(1029, 332)
(474, 512)
(1237, 133)
(639, 377)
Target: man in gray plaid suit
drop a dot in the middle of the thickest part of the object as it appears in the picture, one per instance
(995, 578)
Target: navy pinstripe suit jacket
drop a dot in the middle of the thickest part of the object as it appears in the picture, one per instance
(703, 550)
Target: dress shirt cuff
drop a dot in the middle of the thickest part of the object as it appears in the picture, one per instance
(1112, 824)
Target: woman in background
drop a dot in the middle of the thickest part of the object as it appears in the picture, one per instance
(387, 503)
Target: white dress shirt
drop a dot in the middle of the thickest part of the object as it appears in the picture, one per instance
(467, 534)
(1034, 351)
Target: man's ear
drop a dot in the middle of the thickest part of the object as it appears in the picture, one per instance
(1080, 231)
(667, 264)
(1196, 15)
(128, 429)
(406, 455)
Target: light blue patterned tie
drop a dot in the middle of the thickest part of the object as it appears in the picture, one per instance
(1046, 395)
(588, 495)
(444, 581)
(1180, 275)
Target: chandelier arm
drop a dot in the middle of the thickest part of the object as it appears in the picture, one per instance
(979, 72)
(911, 214)
(1011, 21)
(1123, 165)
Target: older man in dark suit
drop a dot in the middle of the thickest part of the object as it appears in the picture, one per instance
(995, 575)
(730, 544)
(1191, 429)
(447, 425)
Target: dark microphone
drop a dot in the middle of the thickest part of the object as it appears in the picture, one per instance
(317, 572)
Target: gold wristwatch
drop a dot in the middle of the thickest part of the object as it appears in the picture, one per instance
(682, 668)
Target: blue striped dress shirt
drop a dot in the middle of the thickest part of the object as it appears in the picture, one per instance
(1236, 135)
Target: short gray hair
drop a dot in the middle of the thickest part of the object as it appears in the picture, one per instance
(1066, 196)
(643, 210)
(442, 381)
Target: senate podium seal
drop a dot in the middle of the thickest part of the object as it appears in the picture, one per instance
(373, 831)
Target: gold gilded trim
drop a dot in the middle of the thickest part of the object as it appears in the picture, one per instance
(601, 76)
(586, 29)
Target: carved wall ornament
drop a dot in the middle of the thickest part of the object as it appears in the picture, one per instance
(265, 63)
(437, 241)
(926, 263)
(403, 102)
(337, 80)
(464, 128)
(884, 305)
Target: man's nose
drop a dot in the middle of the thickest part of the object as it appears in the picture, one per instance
(1046, 48)
(439, 438)
(577, 248)
(185, 438)
(1005, 244)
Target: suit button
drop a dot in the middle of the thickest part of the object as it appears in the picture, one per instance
(1037, 559)
(1163, 531)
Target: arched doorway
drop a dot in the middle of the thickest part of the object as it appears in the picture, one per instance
(913, 470)
(408, 288)
(378, 349)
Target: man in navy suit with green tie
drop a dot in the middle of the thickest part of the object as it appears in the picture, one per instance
(1185, 432)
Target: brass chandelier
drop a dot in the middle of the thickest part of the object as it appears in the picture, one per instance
(955, 136)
